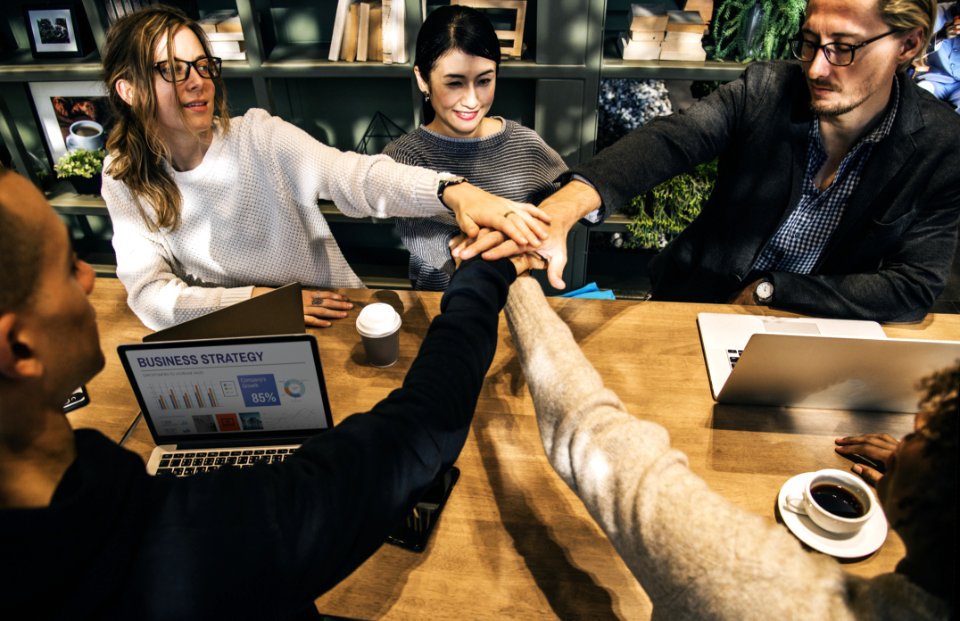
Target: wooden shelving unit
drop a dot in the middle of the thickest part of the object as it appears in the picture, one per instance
(553, 89)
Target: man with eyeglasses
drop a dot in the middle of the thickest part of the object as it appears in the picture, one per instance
(838, 191)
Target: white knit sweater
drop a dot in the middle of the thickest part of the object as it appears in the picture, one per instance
(696, 554)
(250, 218)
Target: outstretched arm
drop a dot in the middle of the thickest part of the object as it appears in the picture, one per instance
(695, 554)
(313, 519)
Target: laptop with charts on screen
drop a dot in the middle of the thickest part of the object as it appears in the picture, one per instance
(231, 401)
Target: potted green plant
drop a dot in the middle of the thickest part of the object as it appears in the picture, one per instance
(83, 169)
(745, 30)
(662, 213)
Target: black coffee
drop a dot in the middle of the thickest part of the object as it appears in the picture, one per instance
(837, 500)
(86, 131)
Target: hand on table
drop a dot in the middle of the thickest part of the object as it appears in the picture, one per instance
(877, 448)
(476, 208)
(318, 306)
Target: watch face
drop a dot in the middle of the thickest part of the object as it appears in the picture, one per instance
(765, 290)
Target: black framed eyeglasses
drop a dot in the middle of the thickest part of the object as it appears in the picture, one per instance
(837, 54)
(207, 67)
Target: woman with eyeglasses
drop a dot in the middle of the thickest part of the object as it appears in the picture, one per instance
(208, 210)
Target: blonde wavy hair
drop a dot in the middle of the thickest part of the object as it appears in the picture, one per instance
(140, 157)
(906, 15)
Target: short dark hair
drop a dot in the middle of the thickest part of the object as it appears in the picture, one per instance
(453, 27)
(21, 258)
(934, 499)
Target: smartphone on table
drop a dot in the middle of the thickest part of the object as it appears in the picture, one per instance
(77, 399)
(416, 527)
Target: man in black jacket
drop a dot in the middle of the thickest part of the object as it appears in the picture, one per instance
(838, 190)
(86, 533)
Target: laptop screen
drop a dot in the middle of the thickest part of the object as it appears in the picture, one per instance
(229, 391)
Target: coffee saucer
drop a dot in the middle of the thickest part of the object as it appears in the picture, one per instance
(863, 543)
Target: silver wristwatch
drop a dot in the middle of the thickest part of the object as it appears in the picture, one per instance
(763, 294)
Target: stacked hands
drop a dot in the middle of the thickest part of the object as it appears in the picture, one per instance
(492, 227)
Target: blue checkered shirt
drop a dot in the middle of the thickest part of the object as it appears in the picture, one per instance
(797, 245)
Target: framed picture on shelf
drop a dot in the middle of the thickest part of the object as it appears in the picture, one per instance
(56, 30)
(82, 106)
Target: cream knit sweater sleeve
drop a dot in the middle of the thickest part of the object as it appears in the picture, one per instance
(249, 217)
(695, 554)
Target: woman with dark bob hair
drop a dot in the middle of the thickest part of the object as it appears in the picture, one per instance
(209, 210)
(456, 66)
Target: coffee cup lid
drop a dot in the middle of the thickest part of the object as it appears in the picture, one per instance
(377, 320)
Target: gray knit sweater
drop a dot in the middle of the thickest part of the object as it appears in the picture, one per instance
(696, 555)
(514, 163)
(250, 217)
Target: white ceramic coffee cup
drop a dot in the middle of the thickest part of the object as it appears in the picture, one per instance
(805, 504)
(85, 134)
(379, 328)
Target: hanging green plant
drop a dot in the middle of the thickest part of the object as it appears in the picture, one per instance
(662, 213)
(745, 30)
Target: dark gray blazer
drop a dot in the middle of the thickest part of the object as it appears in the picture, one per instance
(891, 253)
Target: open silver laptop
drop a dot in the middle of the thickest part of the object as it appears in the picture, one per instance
(816, 363)
(239, 401)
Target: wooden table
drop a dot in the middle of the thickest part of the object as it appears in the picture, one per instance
(514, 541)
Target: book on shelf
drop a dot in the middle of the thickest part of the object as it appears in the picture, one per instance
(685, 21)
(371, 30)
(339, 24)
(637, 50)
(684, 56)
(111, 11)
(224, 34)
(683, 46)
(648, 18)
(386, 31)
(115, 9)
(228, 45)
(348, 49)
(645, 36)
(228, 49)
(703, 7)
(375, 34)
(683, 41)
(363, 31)
(231, 24)
(398, 20)
(221, 21)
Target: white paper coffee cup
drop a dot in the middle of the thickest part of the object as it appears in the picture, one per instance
(379, 328)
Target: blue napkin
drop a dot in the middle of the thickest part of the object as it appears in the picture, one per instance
(590, 292)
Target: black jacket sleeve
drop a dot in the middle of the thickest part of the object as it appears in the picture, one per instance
(293, 530)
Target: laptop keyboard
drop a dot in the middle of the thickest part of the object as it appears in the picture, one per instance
(733, 355)
(185, 463)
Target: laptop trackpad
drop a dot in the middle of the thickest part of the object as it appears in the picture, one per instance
(790, 327)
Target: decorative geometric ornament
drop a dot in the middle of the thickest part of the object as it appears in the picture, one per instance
(379, 133)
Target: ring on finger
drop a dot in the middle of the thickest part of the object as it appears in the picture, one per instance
(509, 213)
